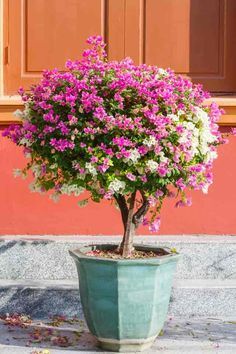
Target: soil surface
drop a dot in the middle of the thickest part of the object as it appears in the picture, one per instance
(136, 254)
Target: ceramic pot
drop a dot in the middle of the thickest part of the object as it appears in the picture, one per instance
(125, 301)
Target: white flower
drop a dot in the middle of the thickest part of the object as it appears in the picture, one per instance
(213, 155)
(194, 145)
(205, 188)
(162, 157)
(134, 155)
(55, 197)
(17, 172)
(27, 110)
(34, 187)
(81, 176)
(140, 169)
(189, 125)
(150, 141)
(54, 166)
(195, 132)
(161, 72)
(204, 148)
(24, 115)
(37, 170)
(174, 117)
(18, 113)
(152, 165)
(91, 168)
(181, 112)
(201, 115)
(25, 142)
(183, 138)
(117, 186)
(71, 189)
(206, 136)
(210, 156)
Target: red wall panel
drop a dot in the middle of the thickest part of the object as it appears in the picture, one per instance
(24, 212)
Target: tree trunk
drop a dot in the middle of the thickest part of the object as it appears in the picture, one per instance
(127, 243)
(131, 220)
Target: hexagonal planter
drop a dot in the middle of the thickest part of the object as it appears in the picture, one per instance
(125, 301)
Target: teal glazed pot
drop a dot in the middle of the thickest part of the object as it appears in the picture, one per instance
(125, 301)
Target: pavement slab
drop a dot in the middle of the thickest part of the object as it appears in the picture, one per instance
(40, 298)
(197, 335)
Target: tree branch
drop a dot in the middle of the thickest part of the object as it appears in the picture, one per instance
(137, 218)
(120, 199)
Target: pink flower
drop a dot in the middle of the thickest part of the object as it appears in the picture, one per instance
(152, 200)
(62, 144)
(162, 171)
(142, 149)
(102, 168)
(143, 178)
(155, 225)
(94, 159)
(130, 176)
(72, 119)
(183, 203)
(122, 142)
(171, 194)
(180, 184)
(233, 130)
(108, 195)
(159, 193)
(145, 222)
(100, 113)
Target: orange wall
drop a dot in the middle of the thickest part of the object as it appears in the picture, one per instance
(23, 212)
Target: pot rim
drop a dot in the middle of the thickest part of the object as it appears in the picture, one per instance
(78, 254)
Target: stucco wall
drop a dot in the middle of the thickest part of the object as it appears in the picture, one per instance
(24, 212)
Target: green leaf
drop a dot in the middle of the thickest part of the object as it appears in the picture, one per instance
(82, 203)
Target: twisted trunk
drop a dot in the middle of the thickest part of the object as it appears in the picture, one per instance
(127, 246)
(131, 220)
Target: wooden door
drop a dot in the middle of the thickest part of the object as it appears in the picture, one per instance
(44, 34)
(197, 38)
(194, 37)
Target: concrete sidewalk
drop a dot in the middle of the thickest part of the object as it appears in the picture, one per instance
(203, 335)
(38, 277)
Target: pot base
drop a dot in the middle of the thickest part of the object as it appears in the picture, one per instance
(126, 345)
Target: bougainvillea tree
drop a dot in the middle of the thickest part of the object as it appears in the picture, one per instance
(128, 133)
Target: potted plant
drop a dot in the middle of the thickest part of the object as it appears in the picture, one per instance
(134, 135)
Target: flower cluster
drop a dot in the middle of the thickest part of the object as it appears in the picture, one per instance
(112, 127)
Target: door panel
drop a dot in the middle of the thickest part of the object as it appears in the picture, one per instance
(194, 37)
(44, 34)
(57, 30)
